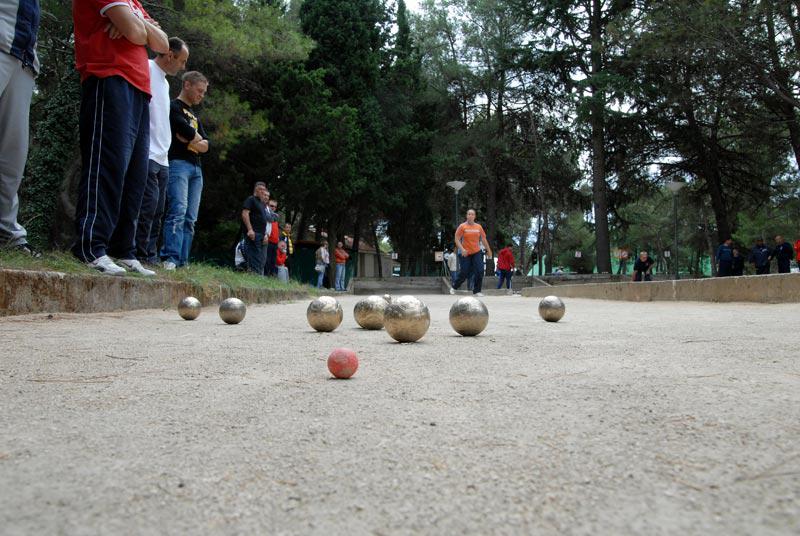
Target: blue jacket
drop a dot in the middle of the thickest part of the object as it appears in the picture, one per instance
(759, 256)
(724, 253)
(19, 26)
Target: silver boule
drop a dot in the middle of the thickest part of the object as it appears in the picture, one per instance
(232, 310)
(324, 313)
(469, 316)
(406, 319)
(189, 308)
(369, 312)
(552, 309)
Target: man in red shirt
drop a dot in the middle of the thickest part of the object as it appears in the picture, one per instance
(505, 265)
(110, 55)
(469, 236)
(271, 239)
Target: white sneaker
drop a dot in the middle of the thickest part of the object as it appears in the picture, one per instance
(105, 265)
(479, 294)
(169, 266)
(135, 266)
(452, 290)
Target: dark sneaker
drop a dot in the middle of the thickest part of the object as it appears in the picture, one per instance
(27, 248)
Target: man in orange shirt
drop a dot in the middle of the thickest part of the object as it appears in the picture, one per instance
(469, 236)
(341, 257)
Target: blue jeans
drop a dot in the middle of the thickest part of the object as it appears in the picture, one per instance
(183, 202)
(255, 254)
(321, 277)
(340, 270)
(471, 267)
(504, 274)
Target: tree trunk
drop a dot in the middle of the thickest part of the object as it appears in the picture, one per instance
(597, 122)
(356, 239)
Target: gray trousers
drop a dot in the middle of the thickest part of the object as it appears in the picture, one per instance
(16, 88)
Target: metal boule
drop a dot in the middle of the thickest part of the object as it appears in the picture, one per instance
(189, 308)
(552, 309)
(369, 312)
(324, 313)
(469, 316)
(406, 319)
(232, 310)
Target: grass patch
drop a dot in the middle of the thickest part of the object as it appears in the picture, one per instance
(197, 274)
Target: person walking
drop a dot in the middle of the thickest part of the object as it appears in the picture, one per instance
(341, 255)
(19, 65)
(271, 239)
(323, 259)
(286, 236)
(114, 125)
(505, 265)
(759, 257)
(643, 268)
(185, 183)
(737, 263)
(623, 257)
(469, 237)
(148, 227)
(724, 258)
(254, 221)
(797, 250)
(783, 253)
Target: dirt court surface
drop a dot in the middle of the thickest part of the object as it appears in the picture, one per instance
(623, 418)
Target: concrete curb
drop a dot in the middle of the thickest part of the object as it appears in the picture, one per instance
(26, 292)
(775, 288)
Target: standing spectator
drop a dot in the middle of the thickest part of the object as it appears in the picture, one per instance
(452, 264)
(254, 221)
(114, 123)
(155, 193)
(624, 254)
(797, 250)
(759, 257)
(506, 265)
(469, 237)
(737, 264)
(280, 262)
(19, 65)
(185, 183)
(643, 268)
(724, 258)
(341, 256)
(783, 253)
(271, 239)
(323, 259)
(286, 236)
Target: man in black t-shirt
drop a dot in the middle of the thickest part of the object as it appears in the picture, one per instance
(185, 184)
(254, 224)
(642, 267)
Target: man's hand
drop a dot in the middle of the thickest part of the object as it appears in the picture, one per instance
(112, 31)
(266, 240)
(199, 146)
(251, 234)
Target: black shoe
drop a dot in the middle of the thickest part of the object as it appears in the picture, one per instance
(27, 248)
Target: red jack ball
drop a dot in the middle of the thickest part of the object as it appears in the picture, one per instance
(343, 363)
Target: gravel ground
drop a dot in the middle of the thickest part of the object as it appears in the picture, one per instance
(623, 418)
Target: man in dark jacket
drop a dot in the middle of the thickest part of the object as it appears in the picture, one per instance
(725, 258)
(759, 257)
(783, 253)
(19, 24)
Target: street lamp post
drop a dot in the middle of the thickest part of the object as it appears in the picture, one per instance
(675, 187)
(456, 185)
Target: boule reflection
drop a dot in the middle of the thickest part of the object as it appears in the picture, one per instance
(232, 310)
(324, 313)
(469, 316)
(552, 309)
(189, 308)
(369, 312)
(406, 319)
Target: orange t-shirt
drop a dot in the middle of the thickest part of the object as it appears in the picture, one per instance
(340, 255)
(470, 237)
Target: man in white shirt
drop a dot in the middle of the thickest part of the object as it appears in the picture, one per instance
(149, 225)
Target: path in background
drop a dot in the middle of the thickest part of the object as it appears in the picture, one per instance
(647, 418)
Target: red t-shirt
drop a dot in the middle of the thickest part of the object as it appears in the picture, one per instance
(341, 256)
(505, 259)
(280, 260)
(797, 249)
(273, 233)
(96, 54)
